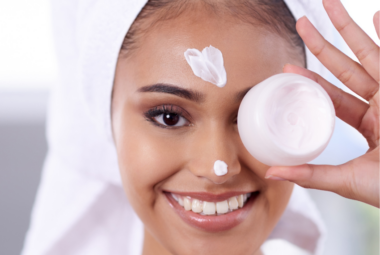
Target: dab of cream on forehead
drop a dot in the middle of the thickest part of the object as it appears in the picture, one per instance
(208, 65)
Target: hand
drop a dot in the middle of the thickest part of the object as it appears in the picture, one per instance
(359, 178)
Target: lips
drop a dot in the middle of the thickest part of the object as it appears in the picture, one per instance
(212, 213)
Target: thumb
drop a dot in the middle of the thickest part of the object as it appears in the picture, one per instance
(354, 179)
(323, 177)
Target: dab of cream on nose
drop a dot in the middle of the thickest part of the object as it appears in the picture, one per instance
(220, 168)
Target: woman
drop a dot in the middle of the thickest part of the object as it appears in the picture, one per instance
(167, 137)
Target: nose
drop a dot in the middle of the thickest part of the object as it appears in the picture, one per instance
(212, 144)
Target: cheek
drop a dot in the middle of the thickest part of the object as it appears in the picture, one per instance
(145, 160)
(277, 196)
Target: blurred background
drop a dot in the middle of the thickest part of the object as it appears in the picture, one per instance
(28, 71)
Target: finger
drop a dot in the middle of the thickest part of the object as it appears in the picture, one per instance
(364, 48)
(344, 68)
(347, 107)
(337, 179)
(376, 22)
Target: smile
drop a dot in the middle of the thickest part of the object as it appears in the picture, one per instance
(212, 213)
(211, 208)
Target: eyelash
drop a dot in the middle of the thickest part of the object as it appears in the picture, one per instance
(162, 109)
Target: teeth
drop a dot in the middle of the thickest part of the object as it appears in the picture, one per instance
(187, 204)
(175, 197)
(222, 207)
(196, 206)
(180, 201)
(211, 208)
(240, 200)
(233, 203)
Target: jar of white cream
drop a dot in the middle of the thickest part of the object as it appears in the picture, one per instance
(286, 120)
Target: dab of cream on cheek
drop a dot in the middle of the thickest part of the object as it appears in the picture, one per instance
(208, 65)
(286, 120)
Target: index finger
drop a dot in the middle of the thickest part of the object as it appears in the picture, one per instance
(359, 42)
(349, 72)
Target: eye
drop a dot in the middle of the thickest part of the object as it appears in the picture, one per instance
(167, 116)
(171, 119)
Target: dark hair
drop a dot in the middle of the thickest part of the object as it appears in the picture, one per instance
(274, 14)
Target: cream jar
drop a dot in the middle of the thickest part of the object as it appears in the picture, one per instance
(286, 120)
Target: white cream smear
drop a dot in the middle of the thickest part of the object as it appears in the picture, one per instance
(208, 65)
(220, 168)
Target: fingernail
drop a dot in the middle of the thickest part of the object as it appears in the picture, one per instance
(274, 178)
(284, 66)
(303, 17)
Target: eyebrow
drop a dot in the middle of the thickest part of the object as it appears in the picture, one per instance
(174, 90)
(185, 93)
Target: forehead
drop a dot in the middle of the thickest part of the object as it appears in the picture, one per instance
(250, 53)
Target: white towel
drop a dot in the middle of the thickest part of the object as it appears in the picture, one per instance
(80, 206)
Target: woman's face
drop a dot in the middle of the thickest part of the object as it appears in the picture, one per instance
(171, 126)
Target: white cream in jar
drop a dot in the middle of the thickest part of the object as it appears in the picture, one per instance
(286, 120)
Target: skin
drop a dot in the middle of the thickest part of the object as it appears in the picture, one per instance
(153, 159)
(357, 179)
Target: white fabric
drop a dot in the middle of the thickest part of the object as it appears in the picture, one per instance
(280, 246)
(80, 206)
